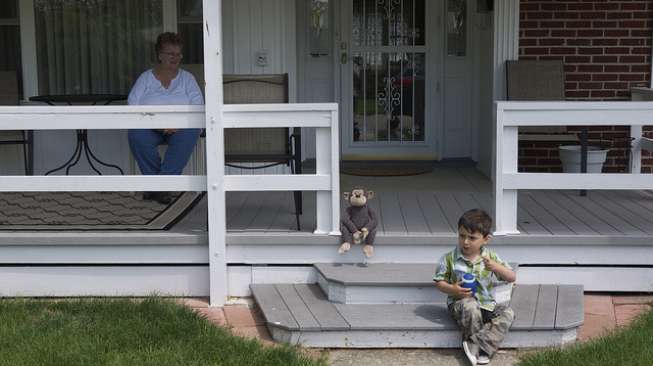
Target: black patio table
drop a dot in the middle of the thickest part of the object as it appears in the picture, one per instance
(82, 135)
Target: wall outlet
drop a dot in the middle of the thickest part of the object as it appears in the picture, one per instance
(262, 58)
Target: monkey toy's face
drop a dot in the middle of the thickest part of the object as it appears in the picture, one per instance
(358, 197)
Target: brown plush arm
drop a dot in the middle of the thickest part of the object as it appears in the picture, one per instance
(347, 221)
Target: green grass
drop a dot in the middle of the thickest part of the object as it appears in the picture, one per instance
(632, 345)
(123, 332)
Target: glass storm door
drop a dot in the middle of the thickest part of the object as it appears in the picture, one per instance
(384, 72)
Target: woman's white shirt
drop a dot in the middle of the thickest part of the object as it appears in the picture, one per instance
(148, 90)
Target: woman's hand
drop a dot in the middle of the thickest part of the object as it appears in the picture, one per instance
(169, 131)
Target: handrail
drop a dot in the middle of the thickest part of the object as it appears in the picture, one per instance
(510, 116)
(323, 117)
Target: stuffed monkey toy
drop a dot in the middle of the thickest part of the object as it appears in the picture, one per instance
(359, 222)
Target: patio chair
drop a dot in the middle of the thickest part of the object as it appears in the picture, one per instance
(9, 96)
(266, 147)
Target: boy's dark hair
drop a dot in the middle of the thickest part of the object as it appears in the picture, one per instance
(476, 220)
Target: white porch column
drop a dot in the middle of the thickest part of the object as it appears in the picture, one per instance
(212, 26)
(506, 47)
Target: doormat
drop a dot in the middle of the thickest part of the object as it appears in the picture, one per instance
(386, 168)
(89, 211)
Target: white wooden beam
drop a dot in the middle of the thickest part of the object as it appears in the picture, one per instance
(269, 182)
(212, 28)
(103, 183)
(577, 181)
(636, 149)
(576, 113)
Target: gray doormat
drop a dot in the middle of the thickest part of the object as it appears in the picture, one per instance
(85, 211)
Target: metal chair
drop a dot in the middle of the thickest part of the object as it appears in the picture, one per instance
(267, 146)
(9, 96)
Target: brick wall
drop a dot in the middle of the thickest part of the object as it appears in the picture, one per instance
(606, 49)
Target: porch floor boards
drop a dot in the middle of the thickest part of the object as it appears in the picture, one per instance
(428, 213)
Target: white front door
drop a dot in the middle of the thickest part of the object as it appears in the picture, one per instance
(389, 67)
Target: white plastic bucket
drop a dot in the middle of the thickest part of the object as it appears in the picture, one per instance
(570, 157)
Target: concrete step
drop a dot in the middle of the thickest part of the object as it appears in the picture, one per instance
(384, 283)
(545, 315)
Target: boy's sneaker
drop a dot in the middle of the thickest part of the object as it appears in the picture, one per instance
(483, 358)
(471, 351)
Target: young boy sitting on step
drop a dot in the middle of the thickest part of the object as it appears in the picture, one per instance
(484, 323)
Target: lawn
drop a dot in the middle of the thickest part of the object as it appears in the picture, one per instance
(124, 332)
(627, 346)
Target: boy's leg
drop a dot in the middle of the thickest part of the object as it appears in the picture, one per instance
(490, 336)
(180, 147)
(467, 313)
(144, 146)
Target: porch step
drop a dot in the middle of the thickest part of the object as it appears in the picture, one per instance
(546, 315)
(384, 283)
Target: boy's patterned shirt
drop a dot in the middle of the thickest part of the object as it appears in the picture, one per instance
(453, 265)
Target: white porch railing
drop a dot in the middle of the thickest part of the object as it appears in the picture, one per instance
(511, 115)
(322, 117)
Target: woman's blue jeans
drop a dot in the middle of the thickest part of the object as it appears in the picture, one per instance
(144, 146)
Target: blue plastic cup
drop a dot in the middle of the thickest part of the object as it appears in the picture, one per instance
(469, 281)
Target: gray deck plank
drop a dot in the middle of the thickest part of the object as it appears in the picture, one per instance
(545, 311)
(466, 200)
(235, 202)
(612, 204)
(324, 312)
(582, 214)
(244, 216)
(634, 203)
(433, 214)
(274, 309)
(285, 219)
(393, 220)
(523, 302)
(643, 198)
(543, 217)
(297, 307)
(569, 312)
(412, 213)
(195, 220)
(375, 205)
(390, 317)
(607, 217)
(268, 210)
(452, 211)
(308, 219)
(576, 225)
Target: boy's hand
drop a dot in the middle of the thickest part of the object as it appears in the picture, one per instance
(460, 292)
(491, 265)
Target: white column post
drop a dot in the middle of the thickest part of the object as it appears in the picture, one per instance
(212, 26)
(335, 174)
(505, 200)
(28, 48)
(636, 149)
(323, 166)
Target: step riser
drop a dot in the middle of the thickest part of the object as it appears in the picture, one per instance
(353, 294)
(415, 339)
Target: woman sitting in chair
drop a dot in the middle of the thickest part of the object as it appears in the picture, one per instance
(165, 84)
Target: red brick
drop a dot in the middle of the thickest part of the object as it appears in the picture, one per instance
(606, 6)
(632, 59)
(605, 42)
(567, 15)
(536, 51)
(617, 50)
(529, 7)
(578, 59)
(631, 77)
(632, 24)
(590, 85)
(593, 15)
(551, 24)
(539, 15)
(527, 24)
(615, 85)
(605, 77)
(590, 51)
(552, 42)
(580, 24)
(537, 33)
(525, 42)
(640, 33)
(602, 94)
(571, 86)
(592, 68)
(590, 32)
(604, 24)
(632, 42)
(554, 6)
(613, 15)
(563, 51)
(633, 6)
(616, 33)
(639, 68)
(563, 33)
(578, 77)
(584, 6)
(641, 51)
(605, 59)
(578, 42)
(616, 68)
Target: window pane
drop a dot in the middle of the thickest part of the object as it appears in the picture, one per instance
(388, 23)
(10, 55)
(189, 10)
(456, 28)
(94, 46)
(8, 9)
(192, 35)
